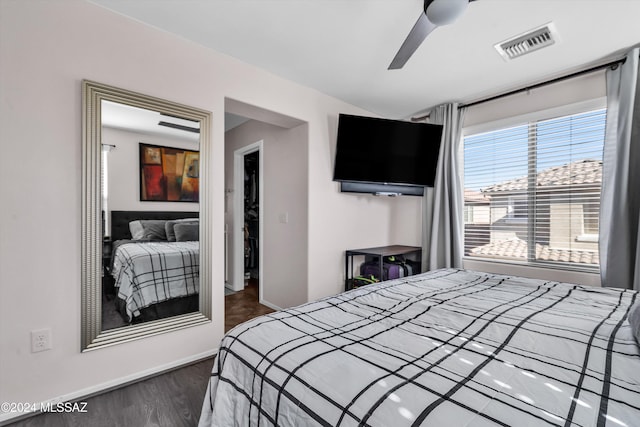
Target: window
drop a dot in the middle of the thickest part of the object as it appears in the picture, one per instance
(468, 214)
(541, 181)
(517, 209)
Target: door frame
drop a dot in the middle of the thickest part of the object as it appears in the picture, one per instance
(238, 216)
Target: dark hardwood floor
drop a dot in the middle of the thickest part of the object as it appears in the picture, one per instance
(173, 399)
(242, 306)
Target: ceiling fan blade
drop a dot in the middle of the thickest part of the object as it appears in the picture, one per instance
(416, 36)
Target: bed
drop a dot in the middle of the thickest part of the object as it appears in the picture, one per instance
(156, 271)
(448, 348)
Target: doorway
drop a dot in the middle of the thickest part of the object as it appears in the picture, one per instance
(248, 208)
(251, 223)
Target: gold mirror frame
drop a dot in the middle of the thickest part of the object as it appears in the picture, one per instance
(93, 337)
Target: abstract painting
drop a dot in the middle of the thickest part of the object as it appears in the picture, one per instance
(169, 174)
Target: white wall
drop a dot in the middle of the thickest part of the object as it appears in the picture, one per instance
(124, 170)
(46, 49)
(579, 89)
(341, 221)
(285, 192)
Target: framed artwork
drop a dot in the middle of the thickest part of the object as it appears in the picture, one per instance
(168, 174)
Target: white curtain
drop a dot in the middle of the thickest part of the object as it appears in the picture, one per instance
(620, 199)
(443, 206)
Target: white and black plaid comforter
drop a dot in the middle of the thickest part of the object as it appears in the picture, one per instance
(445, 348)
(151, 272)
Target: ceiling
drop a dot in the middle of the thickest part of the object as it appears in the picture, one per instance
(343, 47)
(122, 116)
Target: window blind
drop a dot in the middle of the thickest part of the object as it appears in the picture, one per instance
(532, 191)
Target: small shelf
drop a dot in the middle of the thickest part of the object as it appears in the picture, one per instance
(379, 253)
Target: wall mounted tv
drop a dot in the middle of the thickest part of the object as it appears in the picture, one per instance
(383, 156)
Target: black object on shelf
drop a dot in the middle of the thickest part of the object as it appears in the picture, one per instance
(360, 281)
(380, 257)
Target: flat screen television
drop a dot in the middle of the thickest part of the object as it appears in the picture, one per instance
(388, 152)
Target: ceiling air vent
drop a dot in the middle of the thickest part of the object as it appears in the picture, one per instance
(528, 42)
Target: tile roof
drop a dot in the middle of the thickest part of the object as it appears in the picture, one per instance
(582, 172)
(517, 249)
(476, 197)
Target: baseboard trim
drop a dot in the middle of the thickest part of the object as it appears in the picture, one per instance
(105, 387)
(268, 304)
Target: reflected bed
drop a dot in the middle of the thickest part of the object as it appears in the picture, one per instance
(154, 278)
(445, 348)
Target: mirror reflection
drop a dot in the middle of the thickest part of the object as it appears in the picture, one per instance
(145, 176)
(150, 188)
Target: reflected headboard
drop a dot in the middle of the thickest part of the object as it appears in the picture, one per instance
(120, 220)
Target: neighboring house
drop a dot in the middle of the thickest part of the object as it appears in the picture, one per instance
(476, 207)
(477, 219)
(564, 223)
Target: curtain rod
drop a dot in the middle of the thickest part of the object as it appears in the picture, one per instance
(535, 86)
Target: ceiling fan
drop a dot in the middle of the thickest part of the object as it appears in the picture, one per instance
(436, 13)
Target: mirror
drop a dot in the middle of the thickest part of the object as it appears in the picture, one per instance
(146, 232)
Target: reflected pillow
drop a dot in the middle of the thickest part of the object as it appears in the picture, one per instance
(187, 232)
(135, 227)
(634, 320)
(152, 229)
(168, 227)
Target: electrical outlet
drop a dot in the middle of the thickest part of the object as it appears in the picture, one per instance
(40, 340)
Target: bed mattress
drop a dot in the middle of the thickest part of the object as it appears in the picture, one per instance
(445, 348)
(148, 273)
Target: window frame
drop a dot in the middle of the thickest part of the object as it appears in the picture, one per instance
(523, 119)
